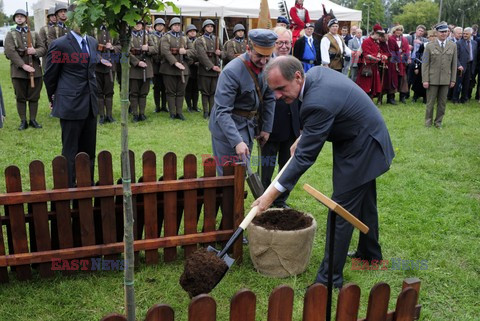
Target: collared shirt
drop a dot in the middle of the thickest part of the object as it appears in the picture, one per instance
(470, 51)
(277, 185)
(79, 40)
(309, 40)
(441, 42)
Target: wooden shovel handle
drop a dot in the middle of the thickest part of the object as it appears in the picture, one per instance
(334, 206)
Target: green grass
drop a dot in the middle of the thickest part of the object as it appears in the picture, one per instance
(429, 205)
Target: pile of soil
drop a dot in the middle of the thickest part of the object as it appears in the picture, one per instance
(283, 220)
(203, 270)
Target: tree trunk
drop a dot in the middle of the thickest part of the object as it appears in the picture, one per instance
(126, 180)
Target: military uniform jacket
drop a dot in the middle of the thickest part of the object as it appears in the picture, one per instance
(136, 43)
(205, 49)
(16, 51)
(57, 31)
(157, 58)
(44, 33)
(236, 90)
(103, 37)
(170, 45)
(234, 48)
(439, 66)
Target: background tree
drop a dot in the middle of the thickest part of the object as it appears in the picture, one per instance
(377, 13)
(4, 19)
(421, 12)
(120, 16)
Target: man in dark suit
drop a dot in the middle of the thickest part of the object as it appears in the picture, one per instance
(466, 64)
(362, 150)
(415, 40)
(71, 87)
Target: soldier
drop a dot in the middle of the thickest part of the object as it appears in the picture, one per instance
(158, 85)
(243, 101)
(174, 67)
(60, 29)
(105, 74)
(191, 92)
(209, 65)
(235, 46)
(52, 21)
(19, 50)
(141, 70)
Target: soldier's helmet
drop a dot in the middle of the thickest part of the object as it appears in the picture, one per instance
(60, 6)
(158, 21)
(51, 12)
(19, 11)
(207, 22)
(173, 21)
(238, 27)
(190, 28)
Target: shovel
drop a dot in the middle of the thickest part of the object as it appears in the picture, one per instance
(246, 221)
(254, 182)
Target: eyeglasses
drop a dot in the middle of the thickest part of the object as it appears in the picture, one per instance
(282, 43)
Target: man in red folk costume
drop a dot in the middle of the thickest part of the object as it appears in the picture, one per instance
(300, 17)
(400, 51)
(368, 77)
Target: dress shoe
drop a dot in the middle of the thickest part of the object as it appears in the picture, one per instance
(33, 123)
(205, 115)
(181, 117)
(403, 100)
(23, 125)
(195, 109)
(101, 121)
(391, 101)
(157, 110)
(142, 117)
(354, 255)
(135, 118)
(164, 109)
(110, 119)
(172, 116)
(189, 109)
(414, 99)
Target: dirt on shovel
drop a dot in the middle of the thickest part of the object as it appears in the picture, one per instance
(203, 270)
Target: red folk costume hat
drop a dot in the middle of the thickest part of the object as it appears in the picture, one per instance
(378, 28)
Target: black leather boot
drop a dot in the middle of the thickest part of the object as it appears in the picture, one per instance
(33, 123)
(23, 125)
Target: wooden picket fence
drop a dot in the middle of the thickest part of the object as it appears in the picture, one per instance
(87, 221)
(280, 305)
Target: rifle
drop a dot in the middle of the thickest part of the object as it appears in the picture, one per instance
(110, 59)
(182, 44)
(29, 45)
(217, 31)
(144, 42)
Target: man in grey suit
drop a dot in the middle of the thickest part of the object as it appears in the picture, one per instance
(72, 88)
(355, 44)
(466, 64)
(439, 70)
(240, 102)
(362, 151)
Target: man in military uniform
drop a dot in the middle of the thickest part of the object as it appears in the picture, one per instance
(105, 74)
(235, 46)
(158, 85)
(191, 91)
(141, 70)
(174, 67)
(52, 21)
(243, 102)
(209, 65)
(60, 29)
(21, 52)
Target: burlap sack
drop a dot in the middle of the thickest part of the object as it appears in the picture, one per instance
(281, 253)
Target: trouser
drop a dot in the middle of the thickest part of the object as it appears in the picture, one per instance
(268, 162)
(105, 93)
(353, 73)
(207, 86)
(224, 153)
(175, 91)
(362, 203)
(138, 95)
(191, 92)
(463, 84)
(24, 92)
(436, 93)
(78, 136)
(159, 92)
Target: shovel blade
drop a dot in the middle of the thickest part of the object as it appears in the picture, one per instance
(226, 258)
(255, 185)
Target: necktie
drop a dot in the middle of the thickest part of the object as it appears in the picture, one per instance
(442, 45)
(84, 48)
(469, 48)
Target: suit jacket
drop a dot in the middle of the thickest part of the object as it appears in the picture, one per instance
(439, 66)
(354, 45)
(286, 121)
(299, 49)
(70, 79)
(2, 108)
(463, 55)
(236, 90)
(336, 110)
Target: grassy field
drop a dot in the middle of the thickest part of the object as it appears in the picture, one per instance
(429, 205)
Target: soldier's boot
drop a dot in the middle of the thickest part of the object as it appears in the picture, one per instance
(33, 107)
(205, 106)
(109, 108)
(164, 101)
(22, 112)
(391, 99)
(179, 106)
(101, 110)
(142, 104)
(195, 101)
(171, 106)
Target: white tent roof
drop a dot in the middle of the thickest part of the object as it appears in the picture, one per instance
(250, 8)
